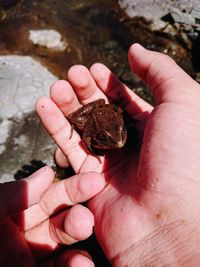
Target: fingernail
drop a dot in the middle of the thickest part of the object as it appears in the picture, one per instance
(38, 172)
(86, 254)
(138, 45)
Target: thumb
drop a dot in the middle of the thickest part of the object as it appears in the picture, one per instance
(168, 82)
(19, 195)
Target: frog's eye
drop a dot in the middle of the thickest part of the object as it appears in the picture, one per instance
(80, 123)
(101, 136)
(123, 130)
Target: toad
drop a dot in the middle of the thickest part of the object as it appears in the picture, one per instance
(101, 126)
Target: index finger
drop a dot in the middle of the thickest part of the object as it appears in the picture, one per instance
(60, 130)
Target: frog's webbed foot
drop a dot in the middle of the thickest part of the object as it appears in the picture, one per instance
(87, 145)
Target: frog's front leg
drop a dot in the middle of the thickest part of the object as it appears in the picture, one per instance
(77, 121)
(87, 145)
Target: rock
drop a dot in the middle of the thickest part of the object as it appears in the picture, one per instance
(176, 15)
(158, 25)
(148, 9)
(22, 137)
(48, 38)
(23, 80)
(5, 126)
(196, 12)
(183, 11)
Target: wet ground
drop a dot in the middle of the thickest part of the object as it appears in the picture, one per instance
(93, 31)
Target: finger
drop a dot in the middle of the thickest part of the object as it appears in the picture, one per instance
(65, 98)
(65, 193)
(68, 227)
(70, 258)
(77, 258)
(19, 195)
(60, 130)
(168, 82)
(60, 159)
(84, 85)
(63, 95)
(118, 91)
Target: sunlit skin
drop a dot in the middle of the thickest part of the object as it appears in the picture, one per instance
(148, 212)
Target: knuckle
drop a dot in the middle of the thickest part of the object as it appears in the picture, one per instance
(72, 193)
(75, 190)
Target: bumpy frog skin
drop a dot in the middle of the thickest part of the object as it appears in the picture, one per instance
(101, 125)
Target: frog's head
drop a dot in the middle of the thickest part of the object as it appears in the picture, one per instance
(109, 138)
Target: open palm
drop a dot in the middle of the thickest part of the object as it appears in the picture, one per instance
(149, 205)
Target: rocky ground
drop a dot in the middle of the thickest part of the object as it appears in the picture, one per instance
(22, 139)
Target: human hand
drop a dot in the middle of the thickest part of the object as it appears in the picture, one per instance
(148, 214)
(37, 216)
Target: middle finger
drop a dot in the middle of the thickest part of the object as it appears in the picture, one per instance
(84, 85)
(79, 90)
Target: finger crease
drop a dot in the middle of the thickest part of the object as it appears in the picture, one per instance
(44, 207)
(69, 194)
(62, 128)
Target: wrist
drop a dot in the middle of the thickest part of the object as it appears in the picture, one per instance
(174, 244)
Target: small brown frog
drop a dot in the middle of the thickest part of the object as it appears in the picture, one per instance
(101, 125)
